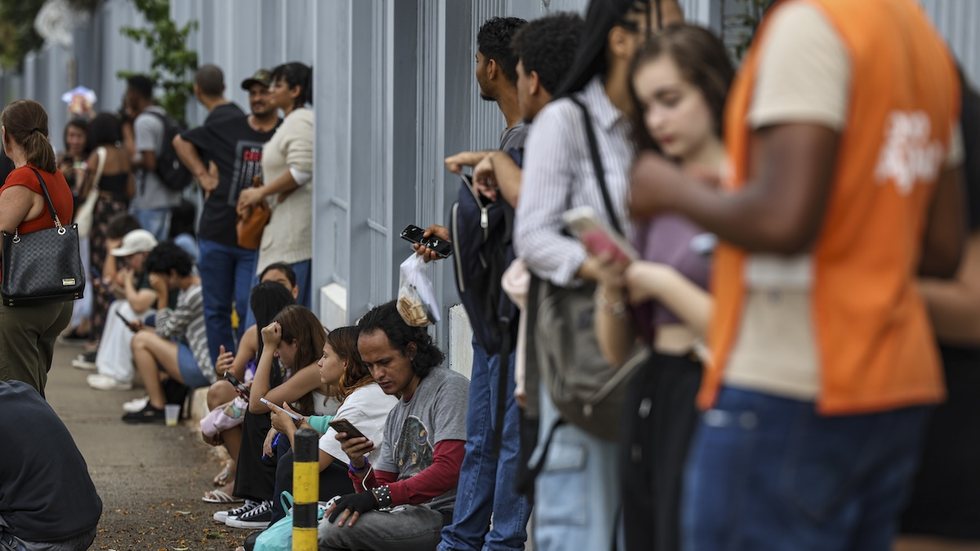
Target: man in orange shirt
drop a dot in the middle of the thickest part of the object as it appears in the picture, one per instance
(844, 187)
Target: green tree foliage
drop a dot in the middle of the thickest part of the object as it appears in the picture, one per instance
(172, 64)
(17, 30)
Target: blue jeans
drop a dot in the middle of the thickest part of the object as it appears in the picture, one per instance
(155, 221)
(226, 276)
(769, 473)
(487, 481)
(577, 494)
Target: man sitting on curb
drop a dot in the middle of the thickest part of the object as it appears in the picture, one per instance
(415, 477)
(47, 498)
(178, 346)
(114, 359)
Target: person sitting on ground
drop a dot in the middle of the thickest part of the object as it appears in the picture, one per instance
(130, 281)
(362, 403)
(267, 300)
(296, 338)
(47, 498)
(178, 346)
(182, 233)
(417, 468)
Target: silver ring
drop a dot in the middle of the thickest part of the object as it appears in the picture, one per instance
(61, 230)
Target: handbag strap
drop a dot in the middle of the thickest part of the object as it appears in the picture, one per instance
(102, 153)
(47, 197)
(600, 171)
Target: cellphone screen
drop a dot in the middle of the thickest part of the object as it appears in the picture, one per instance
(343, 425)
(442, 248)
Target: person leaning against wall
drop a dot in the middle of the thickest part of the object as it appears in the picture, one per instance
(28, 333)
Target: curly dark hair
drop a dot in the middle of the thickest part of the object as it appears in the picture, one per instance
(493, 41)
(385, 318)
(142, 85)
(547, 46)
(701, 58)
(286, 270)
(168, 256)
(105, 129)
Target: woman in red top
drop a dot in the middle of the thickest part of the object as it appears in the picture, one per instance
(27, 333)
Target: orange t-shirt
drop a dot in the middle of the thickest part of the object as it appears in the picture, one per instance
(57, 188)
(874, 342)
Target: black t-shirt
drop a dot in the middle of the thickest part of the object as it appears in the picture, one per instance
(970, 127)
(225, 111)
(236, 148)
(46, 493)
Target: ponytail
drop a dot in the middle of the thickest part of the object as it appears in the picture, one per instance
(26, 124)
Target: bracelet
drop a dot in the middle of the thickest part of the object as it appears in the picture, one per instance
(617, 308)
(355, 471)
(382, 494)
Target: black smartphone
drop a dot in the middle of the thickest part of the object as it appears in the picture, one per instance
(343, 425)
(125, 321)
(239, 387)
(441, 248)
(413, 233)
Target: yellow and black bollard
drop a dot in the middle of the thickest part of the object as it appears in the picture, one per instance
(306, 480)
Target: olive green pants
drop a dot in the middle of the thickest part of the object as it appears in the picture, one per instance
(27, 338)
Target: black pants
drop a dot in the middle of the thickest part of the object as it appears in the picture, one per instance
(333, 482)
(660, 417)
(254, 478)
(945, 496)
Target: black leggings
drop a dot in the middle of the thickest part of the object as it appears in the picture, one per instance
(660, 417)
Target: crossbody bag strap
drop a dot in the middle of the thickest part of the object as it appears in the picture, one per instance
(47, 197)
(600, 171)
(102, 154)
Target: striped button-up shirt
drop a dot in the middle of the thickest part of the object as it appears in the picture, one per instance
(559, 175)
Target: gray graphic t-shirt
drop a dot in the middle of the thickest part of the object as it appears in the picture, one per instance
(435, 413)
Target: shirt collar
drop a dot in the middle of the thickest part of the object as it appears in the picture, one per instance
(602, 109)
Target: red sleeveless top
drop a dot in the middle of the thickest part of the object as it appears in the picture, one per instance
(57, 188)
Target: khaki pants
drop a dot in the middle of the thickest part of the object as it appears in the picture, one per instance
(27, 338)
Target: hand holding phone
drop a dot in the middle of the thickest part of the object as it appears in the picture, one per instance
(439, 245)
(345, 426)
(239, 387)
(279, 409)
(132, 325)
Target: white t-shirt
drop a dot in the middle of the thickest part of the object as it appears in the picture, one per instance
(367, 409)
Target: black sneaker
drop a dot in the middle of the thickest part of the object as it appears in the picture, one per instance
(148, 414)
(221, 517)
(259, 518)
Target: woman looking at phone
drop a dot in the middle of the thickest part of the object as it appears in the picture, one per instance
(363, 405)
(679, 83)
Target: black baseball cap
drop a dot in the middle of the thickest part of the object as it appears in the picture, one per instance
(261, 76)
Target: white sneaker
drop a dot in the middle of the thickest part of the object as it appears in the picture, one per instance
(105, 382)
(136, 404)
(84, 361)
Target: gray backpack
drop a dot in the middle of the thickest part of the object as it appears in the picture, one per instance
(586, 390)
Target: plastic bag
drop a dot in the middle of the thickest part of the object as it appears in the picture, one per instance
(416, 297)
(224, 417)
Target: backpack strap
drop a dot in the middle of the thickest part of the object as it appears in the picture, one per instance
(597, 166)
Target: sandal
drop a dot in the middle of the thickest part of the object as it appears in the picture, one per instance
(220, 496)
(226, 475)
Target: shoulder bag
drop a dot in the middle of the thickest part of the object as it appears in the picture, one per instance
(252, 222)
(44, 266)
(83, 216)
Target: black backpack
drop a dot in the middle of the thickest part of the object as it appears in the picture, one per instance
(172, 172)
(481, 234)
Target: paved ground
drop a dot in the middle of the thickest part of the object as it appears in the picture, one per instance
(151, 478)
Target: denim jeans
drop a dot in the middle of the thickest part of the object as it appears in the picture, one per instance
(770, 473)
(487, 480)
(155, 221)
(226, 276)
(577, 493)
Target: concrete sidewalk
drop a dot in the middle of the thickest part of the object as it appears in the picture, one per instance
(151, 477)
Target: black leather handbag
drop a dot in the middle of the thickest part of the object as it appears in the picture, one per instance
(44, 266)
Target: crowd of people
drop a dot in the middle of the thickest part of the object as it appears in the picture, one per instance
(713, 307)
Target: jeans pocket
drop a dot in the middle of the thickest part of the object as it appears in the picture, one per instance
(820, 466)
(563, 486)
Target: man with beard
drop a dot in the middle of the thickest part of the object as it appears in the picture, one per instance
(225, 156)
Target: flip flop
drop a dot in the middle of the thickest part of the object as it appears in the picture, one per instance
(226, 474)
(220, 496)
